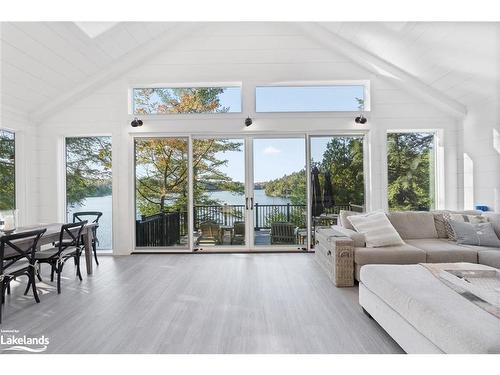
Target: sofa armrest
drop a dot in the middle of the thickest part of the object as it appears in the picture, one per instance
(358, 238)
(335, 253)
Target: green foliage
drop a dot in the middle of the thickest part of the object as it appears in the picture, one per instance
(7, 170)
(162, 173)
(410, 167)
(292, 186)
(343, 158)
(88, 168)
(297, 216)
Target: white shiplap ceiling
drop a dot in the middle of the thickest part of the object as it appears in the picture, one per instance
(45, 61)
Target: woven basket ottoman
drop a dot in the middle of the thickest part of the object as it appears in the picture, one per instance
(335, 254)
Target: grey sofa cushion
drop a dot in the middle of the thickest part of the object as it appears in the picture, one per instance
(481, 234)
(414, 225)
(399, 254)
(343, 215)
(358, 238)
(489, 258)
(494, 219)
(443, 251)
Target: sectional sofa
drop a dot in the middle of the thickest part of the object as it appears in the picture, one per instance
(426, 241)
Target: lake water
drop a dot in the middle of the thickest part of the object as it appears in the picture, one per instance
(260, 197)
(105, 205)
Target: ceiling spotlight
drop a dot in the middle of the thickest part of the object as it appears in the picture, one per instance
(136, 122)
(248, 121)
(360, 119)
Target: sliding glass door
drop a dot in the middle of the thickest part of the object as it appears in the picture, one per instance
(337, 177)
(222, 193)
(279, 199)
(219, 211)
(161, 192)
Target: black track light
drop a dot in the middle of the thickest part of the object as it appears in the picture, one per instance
(136, 122)
(360, 120)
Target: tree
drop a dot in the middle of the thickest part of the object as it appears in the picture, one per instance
(7, 171)
(409, 171)
(88, 168)
(178, 100)
(162, 173)
(343, 158)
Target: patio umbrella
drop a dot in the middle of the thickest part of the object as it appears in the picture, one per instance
(317, 201)
(328, 201)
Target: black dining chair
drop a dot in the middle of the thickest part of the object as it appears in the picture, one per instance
(18, 258)
(91, 217)
(68, 247)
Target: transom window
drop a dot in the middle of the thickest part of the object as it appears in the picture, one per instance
(172, 100)
(333, 98)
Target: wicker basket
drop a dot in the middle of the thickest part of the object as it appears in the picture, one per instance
(335, 254)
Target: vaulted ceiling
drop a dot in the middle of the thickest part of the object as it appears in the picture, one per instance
(43, 61)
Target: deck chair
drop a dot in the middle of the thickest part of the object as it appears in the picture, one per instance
(238, 233)
(283, 232)
(210, 233)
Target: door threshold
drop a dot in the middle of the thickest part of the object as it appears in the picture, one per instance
(270, 251)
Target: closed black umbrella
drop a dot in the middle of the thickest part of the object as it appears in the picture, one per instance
(328, 201)
(317, 201)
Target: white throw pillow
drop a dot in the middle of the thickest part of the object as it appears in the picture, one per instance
(377, 229)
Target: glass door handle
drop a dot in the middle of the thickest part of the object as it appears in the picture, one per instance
(246, 203)
(251, 203)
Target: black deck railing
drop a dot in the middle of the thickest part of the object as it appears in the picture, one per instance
(168, 229)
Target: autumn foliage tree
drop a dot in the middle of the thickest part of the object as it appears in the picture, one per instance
(162, 163)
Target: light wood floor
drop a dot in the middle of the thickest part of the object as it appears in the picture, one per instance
(198, 303)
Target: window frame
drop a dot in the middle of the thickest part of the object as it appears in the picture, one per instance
(364, 83)
(131, 104)
(62, 185)
(438, 166)
(17, 175)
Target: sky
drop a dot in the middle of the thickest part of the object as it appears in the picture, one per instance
(273, 157)
(294, 98)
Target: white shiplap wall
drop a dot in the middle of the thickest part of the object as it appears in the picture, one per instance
(229, 53)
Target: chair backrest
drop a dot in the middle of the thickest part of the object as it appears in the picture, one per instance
(239, 228)
(282, 228)
(80, 216)
(73, 232)
(209, 229)
(20, 245)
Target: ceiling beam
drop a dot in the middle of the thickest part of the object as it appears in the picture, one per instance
(127, 62)
(383, 69)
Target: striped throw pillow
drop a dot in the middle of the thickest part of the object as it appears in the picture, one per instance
(377, 229)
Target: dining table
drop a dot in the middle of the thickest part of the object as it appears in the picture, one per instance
(52, 234)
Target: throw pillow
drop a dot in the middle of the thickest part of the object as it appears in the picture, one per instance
(479, 234)
(440, 223)
(343, 215)
(377, 229)
(494, 219)
(462, 218)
